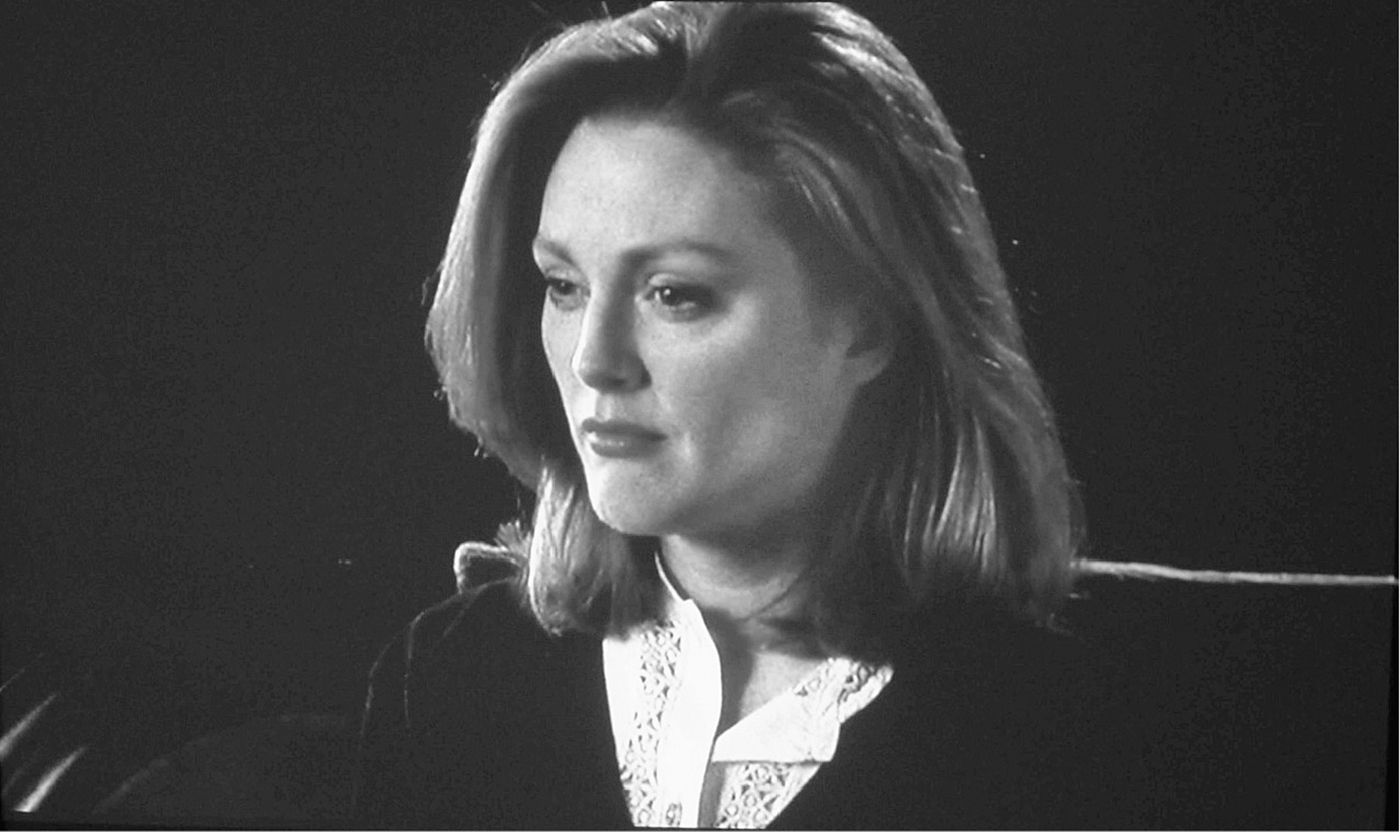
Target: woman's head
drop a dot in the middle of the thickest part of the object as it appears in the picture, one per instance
(705, 377)
(797, 136)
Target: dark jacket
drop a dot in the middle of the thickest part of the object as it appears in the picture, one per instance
(478, 718)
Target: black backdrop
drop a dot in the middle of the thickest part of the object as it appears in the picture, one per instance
(220, 433)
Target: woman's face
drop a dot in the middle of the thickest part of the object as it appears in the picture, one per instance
(704, 382)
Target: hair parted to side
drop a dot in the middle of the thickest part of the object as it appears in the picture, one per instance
(952, 476)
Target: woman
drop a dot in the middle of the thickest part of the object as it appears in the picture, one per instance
(720, 291)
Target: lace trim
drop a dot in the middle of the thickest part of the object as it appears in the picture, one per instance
(857, 675)
(751, 792)
(661, 650)
(757, 792)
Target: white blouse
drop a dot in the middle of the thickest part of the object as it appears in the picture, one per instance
(663, 682)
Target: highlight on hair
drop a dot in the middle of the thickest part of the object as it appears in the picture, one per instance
(952, 479)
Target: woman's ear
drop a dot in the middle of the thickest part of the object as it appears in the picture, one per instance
(871, 345)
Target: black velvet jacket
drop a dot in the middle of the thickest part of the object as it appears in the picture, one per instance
(476, 718)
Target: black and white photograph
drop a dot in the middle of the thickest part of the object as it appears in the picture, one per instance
(593, 415)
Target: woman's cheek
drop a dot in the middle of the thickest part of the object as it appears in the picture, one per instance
(557, 340)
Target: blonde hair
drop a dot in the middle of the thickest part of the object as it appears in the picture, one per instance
(954, 480)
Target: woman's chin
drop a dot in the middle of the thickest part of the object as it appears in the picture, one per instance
(640, 512)
(633, 519)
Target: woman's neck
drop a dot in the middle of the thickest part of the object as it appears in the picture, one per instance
(752, 602)
(750, 597)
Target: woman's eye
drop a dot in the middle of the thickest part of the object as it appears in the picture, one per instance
(561, 293)
(690, 300)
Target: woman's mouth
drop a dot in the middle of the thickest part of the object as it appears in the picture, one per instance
(619, 439)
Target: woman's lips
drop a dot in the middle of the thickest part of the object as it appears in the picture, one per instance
(619, 439)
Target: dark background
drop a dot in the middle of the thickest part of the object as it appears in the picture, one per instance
(221, 440)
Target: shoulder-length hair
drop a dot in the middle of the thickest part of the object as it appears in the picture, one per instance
(952, 478)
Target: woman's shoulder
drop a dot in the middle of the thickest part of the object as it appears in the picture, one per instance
(465, 701)
(488, 599)
(472, 657)
(983, 704)
(1039, 686)
(494, 607)
(991, 641)
(467, 637)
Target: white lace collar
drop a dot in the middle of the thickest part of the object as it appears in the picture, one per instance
(663, 682)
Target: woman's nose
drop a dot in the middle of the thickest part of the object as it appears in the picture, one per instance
(606, 357)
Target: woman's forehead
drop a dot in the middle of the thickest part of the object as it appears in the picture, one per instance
(646, 182)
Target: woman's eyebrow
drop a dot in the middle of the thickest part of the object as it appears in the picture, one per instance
(649, 252)
(544, 245)
(684, 245)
